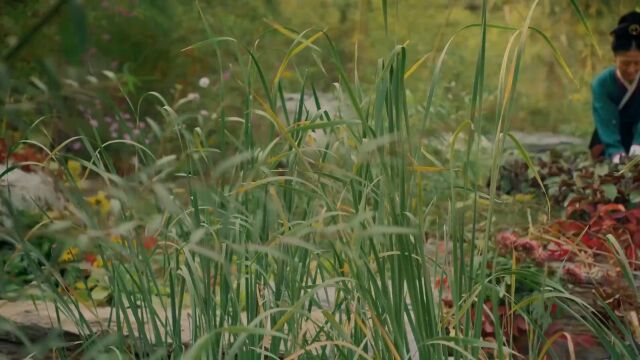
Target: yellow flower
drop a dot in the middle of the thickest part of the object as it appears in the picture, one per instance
(80, 285)
(116, 239)
(69, 255)
(98, 263)
(101, 202)
(75, 169)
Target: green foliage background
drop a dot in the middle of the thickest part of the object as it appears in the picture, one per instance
(141, 41)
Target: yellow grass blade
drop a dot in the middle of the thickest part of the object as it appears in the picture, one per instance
(293, 53)
(429, 169)
(417, 64)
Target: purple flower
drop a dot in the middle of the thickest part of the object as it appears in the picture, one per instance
(114, 127)
(76, 145)
(125, 115)
(126, 137)
(108, 119)
(93, 122)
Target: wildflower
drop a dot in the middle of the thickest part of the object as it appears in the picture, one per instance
(75, 169)
(506, 240)
(193, 96)
(116, 239)
(90, 257)
(77, 145)
(98, 263)
(100, 201)
(204, 82)
(149, 242)
(93, 122)
(108, 119)
(126, 137)
(527, 246)
(69, 255)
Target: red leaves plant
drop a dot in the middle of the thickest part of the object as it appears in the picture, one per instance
(24, 154)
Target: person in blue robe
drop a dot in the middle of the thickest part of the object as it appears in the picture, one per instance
(616, 98)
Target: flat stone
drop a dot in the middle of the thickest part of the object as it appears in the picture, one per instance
(544, 141)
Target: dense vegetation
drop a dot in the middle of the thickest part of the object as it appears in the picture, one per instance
(205, 176)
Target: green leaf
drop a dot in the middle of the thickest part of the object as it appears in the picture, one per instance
(100, 294)
(610, 191)
(634, 197)
(601, 169)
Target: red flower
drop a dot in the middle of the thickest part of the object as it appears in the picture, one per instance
(506, 240)
(527, 246)
(90, 257)
(149, 242)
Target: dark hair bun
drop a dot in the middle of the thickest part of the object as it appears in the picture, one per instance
(626, 36)
(628, 25)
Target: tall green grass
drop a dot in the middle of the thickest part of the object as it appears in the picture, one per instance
(251, 250)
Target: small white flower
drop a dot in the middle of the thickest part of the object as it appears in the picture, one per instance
(204, 82)
(193, 96)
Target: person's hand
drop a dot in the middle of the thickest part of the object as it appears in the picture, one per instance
(635, 150)
(617, 157)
